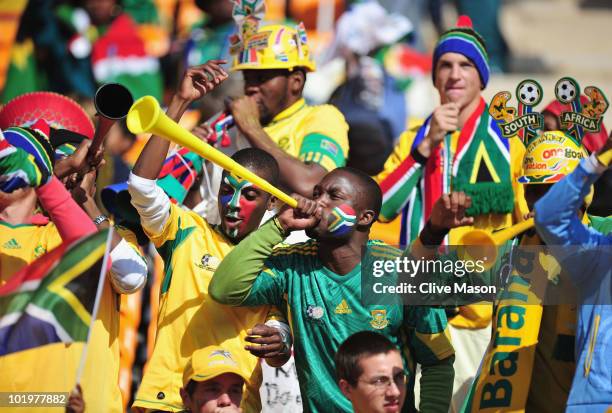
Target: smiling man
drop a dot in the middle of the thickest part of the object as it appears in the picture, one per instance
(320, 281)
(306, 141)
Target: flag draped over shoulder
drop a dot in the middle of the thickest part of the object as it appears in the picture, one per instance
(52, 299)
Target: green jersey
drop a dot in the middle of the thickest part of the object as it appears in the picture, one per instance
(324, 309)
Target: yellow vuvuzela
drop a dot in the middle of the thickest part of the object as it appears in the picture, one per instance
(145, 116)
(479, 243)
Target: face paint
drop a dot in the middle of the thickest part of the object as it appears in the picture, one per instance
(341, 219)
(236, 205)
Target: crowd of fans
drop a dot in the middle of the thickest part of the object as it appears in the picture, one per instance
(211, 279)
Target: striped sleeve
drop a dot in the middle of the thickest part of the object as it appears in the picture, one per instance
(428, 336)
(401, 174)
(325, 139)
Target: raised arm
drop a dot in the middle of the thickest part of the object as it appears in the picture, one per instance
(556, 215)
(236, 275)
(301, 174)
(71, 221)
(150, 201)
(197, 82)
(405, 167)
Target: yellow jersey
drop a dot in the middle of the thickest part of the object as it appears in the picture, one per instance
(23, 243)
(189, 319)
(314, 134)
(52, 368)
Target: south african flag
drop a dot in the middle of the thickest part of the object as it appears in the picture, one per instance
(341, 219)
(52, 299)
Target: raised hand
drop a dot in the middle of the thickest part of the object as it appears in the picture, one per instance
(200, 80)
(306, 215)
(449, 211)
(246, 114)
(84, 189)
(202, 131)
(80, 162)
(445, 119)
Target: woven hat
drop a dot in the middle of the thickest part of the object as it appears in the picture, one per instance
(463, 39)
(60, 112)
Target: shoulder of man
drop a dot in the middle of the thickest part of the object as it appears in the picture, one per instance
(326, 112)
(307, 248)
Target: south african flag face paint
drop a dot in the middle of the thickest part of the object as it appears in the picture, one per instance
(236, 208)
(341, 219)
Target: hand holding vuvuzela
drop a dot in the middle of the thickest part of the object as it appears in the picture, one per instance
(146, 116)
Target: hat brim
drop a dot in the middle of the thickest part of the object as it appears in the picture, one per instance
(215, 371)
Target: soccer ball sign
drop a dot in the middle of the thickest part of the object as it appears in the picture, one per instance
(529, 92)
(566, 90)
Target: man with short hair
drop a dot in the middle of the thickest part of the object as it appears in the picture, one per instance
(306, 141)
(459, 147)
(320, 281)
(370, 373)
(212, 382)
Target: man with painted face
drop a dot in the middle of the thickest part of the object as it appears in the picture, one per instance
(191, 248)
(320, 282)
(306, 141)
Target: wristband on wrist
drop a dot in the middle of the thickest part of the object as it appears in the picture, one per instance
(282, 230)
(418, 157)
(605, 158)
(100, 219)
(431, 238)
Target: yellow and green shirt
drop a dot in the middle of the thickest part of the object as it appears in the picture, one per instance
(23, 243)
(314, 134)
(188, 317)
(45, 369)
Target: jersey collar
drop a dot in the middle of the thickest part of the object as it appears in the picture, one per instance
(290, 111)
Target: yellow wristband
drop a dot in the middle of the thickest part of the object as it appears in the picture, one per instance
(605, 158)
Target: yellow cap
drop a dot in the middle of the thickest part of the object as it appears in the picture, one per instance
(550, 157)
(275, 47)
(208, 363)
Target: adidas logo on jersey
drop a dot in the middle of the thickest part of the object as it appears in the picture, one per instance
(343, 308)
(11, 244)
